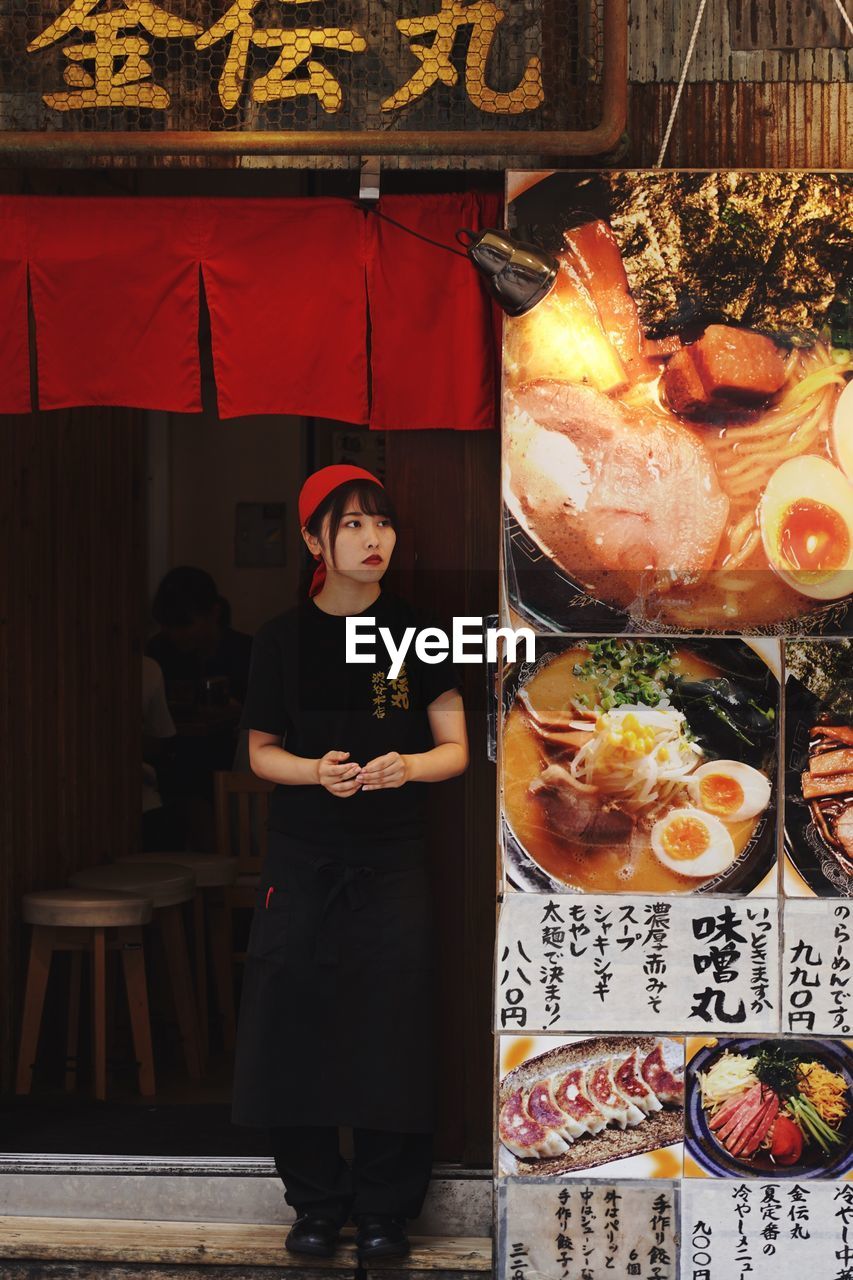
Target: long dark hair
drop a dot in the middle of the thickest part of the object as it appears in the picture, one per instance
(370, 498)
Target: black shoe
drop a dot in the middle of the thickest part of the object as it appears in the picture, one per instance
(381, 1236)
(315, 1235)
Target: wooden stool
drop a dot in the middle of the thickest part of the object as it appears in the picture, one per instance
(214, 877)
(168, 886)
(79, 920)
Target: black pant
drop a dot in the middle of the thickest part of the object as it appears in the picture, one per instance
(390, 1171)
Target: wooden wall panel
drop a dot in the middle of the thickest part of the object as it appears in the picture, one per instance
(71, 622)
(743, 126)
(738, 40)
(446, 489)
(768, 85)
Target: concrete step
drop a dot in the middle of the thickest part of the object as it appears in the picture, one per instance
(36, 1248)
(459, 1201)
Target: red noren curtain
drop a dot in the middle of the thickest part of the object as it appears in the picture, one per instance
(433, 358)
(115, 299)
(288, 314)
(303, 296)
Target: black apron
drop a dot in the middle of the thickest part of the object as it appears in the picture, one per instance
(336, 1015)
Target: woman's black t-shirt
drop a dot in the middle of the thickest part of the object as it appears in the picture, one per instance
(302, 688)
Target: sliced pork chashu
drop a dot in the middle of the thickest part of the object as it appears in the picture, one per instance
(606, 487)
(575, 813)
(836, 761)
(816, 786)
(838, 732)
(843, 830)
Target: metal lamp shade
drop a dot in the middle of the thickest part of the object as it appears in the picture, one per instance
(517, 275)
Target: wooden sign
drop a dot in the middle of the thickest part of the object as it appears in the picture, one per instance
(337, 76)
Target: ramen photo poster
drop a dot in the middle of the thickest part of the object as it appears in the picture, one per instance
(673, 1014)
(677, 413)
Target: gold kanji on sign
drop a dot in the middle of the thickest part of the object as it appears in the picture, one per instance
(296, 45)
(121, 73)
(108, 65)
(435, 57)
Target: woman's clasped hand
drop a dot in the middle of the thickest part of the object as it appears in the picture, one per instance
(342, 777)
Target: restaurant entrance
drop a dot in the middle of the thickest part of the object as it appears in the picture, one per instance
(99, 505)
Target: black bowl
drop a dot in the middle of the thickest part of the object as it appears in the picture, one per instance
(742, 665)
(701, 1144)
(804, 844)
(550, 600)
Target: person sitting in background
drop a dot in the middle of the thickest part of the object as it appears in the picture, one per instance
(196, 640)
(161, 827)
(198, 650)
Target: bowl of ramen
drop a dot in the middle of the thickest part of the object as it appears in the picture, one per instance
(694, 478)
(643, 766)
(819, 764)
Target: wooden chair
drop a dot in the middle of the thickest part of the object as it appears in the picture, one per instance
(168, 886)
(242, 808)
(96, 921)
(214, 877)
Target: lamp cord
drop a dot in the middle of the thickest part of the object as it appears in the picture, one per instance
(687, 60)
(402, 227)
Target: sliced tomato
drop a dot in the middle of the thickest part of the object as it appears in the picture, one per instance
(787, 1144)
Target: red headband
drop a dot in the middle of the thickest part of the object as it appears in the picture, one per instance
(315, 491)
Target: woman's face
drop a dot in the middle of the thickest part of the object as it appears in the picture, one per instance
(363, 546)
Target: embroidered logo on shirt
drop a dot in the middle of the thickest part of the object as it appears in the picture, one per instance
(398, 690)
(400, 687)
(380, 692)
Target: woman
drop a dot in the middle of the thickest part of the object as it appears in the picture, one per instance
(335, 1017)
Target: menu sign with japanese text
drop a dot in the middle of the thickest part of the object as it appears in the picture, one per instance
(583, 962)
(673, 995)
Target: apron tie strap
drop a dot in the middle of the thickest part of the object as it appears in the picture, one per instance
(348, 881)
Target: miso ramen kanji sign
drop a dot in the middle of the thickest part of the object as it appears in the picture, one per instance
(483, 74)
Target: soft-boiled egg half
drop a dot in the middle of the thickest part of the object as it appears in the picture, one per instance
(730, 790)
(692, 843)
(806, 518)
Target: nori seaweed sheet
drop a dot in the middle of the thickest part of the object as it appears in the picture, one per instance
(825, 667)
(761, 249)
(767, 249)
(816, 253)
